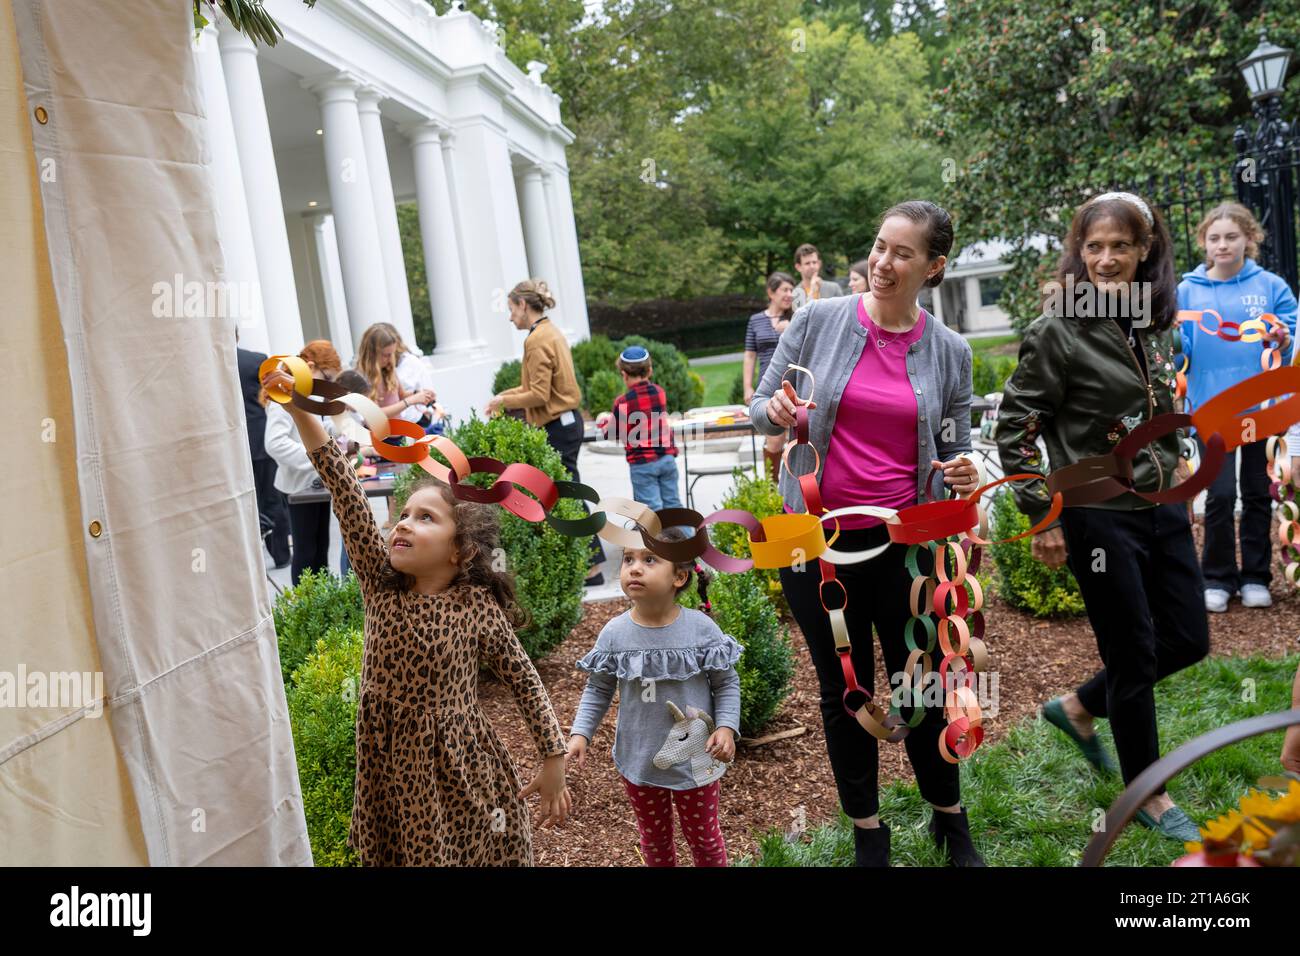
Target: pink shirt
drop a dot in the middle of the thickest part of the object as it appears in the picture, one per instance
(871, 458)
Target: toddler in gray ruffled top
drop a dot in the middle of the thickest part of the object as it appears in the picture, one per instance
(678, 706)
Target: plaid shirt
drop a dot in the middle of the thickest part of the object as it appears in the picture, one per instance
(641, 418)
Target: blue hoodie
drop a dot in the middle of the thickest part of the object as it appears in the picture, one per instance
(1214, 364)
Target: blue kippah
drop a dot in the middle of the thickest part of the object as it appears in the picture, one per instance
(634, 353)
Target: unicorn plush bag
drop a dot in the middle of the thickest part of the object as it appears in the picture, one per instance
(687, 741)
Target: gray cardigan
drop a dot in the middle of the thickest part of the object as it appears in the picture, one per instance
(826, 337)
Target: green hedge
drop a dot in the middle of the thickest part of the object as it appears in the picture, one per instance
(1022, 581)
(741, 608)
(602, 388)
(549, 567)
(318, 603)
(322, 700)
(508, 376)
(990, 372)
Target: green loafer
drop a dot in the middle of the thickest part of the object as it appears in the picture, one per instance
(1173, 823)
(1054, 713)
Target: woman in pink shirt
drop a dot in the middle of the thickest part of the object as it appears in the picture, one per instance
(893, 391)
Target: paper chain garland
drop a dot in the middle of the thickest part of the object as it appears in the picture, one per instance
(943, 527)
(1252, 330)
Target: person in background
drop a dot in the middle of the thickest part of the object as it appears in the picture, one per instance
(377, 361)
(414, 375)
(640, 417)
(310, 523)
(761, 336)
(808, 263)
(858, 277)
(1232, 284)
(548, 391)
(272, 511)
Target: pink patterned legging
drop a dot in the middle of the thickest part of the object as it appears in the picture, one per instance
(698, 810)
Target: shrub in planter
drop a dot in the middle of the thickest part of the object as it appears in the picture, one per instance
(322, 701)
(766, 669)
(508, 376)
(1021, 580)
(303, 613)
(549, 567)
(760, 497)
(596, 354)
(602, 388)
(737, 394)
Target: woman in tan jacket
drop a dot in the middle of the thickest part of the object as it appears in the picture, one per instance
(548, 393)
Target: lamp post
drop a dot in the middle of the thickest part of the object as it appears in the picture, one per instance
(1265, 177)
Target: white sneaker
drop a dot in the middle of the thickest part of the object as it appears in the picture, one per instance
(1216, 599)
(1254, 595)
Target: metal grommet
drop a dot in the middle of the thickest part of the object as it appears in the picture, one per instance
(42, 116)
(96, 529)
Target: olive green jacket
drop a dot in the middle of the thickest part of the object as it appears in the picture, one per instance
(1078, 385)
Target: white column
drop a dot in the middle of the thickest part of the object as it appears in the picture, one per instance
(493, 231)
(252, 135)
(538, 237)
(331, 284)
(347, 174)
(438, 236)
(228, 197)
(556, 180)
(457, 218)
(390, 238)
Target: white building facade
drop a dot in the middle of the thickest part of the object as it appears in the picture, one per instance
(362, 105)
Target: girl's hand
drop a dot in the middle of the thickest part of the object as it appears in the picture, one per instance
(722, 745)
(556, 800)
(493, 406)
(961, 473)
(578, 750)
(781, 406)
(278, 380)
(1278, 334)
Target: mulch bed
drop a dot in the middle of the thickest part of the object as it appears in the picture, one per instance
(774, 785)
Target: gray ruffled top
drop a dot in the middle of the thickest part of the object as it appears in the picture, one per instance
(689, 663)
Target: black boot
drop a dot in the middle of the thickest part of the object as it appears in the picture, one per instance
(951, 833)
(871, 846)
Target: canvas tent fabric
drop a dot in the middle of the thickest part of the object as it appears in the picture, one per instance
(131, 542)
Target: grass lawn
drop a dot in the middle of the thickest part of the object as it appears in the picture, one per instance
(996, 344)
(1032, 798)
(717, 381)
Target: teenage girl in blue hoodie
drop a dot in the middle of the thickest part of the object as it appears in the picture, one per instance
(1233, 285)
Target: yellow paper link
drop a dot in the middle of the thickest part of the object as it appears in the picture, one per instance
(790, 538)
(302, 380)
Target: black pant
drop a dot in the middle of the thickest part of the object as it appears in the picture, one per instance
(1219, 556)
(1141, 584)
(567, 440)
(272, 510)
(311, 537)
(878, 594)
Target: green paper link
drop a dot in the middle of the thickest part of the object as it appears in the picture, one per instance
(930, 632)
(577, 527)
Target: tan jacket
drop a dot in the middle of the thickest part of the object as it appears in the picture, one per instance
(549, 386)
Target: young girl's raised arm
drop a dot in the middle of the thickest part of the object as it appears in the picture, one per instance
(361, 537)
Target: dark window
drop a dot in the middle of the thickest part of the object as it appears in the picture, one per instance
(990, 290)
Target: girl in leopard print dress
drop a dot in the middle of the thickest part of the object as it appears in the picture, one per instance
(435, 786)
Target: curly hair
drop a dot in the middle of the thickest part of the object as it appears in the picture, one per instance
(478, 536)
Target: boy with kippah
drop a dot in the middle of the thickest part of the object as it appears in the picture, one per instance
(641, 421)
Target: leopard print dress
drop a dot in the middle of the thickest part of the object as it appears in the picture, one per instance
(435, 786)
